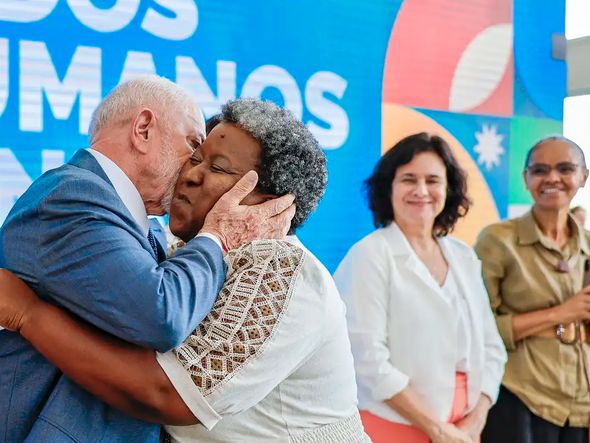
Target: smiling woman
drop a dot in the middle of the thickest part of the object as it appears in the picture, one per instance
(536, 271)
(428, 356)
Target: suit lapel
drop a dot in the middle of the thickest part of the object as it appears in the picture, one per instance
(85, 160)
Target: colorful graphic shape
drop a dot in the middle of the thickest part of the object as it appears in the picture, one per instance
(451, 55)
(400, 121)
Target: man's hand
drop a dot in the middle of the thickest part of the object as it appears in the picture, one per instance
(16, 301)
(236, 224)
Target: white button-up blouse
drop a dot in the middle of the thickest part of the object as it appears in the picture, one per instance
(403, 328)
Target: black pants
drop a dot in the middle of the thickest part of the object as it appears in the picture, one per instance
(510, 421)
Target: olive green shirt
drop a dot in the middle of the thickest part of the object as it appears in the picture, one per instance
(518, 265)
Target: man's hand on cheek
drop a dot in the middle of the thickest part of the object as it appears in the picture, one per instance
(236, 224)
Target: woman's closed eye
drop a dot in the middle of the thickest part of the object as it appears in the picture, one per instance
(196, 159)
(218, 169)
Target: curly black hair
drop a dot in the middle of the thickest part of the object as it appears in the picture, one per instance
(378, 186)
(291, 160)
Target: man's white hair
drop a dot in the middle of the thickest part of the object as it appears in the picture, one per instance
(151, 91)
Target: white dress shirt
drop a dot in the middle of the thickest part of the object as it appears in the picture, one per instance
(403, 328)
(125, 189)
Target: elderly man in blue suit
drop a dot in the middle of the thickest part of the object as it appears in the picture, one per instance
(80, 237)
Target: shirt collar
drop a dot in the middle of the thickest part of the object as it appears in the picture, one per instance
(125, 189)
(529, 233)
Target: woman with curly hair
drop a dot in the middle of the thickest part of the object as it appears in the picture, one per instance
(428, 356)
(272, 360)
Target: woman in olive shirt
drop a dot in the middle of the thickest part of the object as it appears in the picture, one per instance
(533, 268)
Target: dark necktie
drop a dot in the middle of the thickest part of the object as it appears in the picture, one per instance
(153, 243)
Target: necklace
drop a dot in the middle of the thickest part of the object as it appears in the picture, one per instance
(559, 264)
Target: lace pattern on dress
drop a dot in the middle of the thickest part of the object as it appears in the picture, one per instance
(257, 290)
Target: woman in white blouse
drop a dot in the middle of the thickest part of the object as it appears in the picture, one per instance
(428, 357)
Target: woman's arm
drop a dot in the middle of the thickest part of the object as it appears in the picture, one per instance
(474, 422)
(122, 375)
(492, 253)
(573, 309)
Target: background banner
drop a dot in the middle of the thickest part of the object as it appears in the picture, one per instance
(360, 75)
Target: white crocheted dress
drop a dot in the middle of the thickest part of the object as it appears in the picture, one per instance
(271, 362)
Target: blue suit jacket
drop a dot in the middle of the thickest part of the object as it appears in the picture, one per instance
(74, 242)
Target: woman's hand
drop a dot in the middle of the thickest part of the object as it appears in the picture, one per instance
(575, 308)
(449, 433)
(411, 406)
(16, 301)
(474, 422)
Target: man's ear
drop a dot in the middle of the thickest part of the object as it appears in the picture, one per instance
(143, 130)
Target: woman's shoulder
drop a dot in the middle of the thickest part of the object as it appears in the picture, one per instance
(286, 260)
(375, 240)
(497, 241)
(368, 255)
(502, 231)
(372, 248)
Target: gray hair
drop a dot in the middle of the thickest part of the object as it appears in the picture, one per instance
(555, 138)
(149, 91)
(291, 160)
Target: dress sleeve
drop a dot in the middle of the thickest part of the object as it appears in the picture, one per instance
(490, 250)
(363, 281)
(268, 319)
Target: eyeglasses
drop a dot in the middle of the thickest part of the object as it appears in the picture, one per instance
(564, 169)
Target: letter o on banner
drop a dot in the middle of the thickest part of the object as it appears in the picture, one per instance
(112, 19)
(270, 76)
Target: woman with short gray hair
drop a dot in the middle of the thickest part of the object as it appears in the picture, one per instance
(536, 270)
(272, 360)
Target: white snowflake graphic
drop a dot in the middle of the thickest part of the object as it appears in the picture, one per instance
(489, 146)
